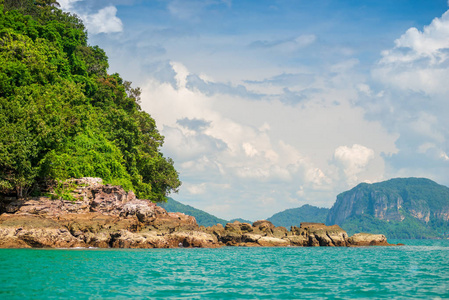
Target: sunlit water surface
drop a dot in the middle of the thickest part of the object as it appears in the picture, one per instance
(418, 270)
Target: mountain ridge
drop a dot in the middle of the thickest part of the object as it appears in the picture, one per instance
(294, 216)
(401, 207)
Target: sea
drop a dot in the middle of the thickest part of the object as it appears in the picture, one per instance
(418, 270)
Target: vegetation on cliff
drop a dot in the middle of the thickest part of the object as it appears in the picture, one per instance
(398, 208)
(62, 115)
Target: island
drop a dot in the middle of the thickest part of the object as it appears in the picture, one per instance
(106, 216)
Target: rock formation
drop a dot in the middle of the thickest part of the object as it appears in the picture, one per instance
(393, 200)
(107, 216)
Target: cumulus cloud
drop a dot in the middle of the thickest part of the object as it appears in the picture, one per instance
(354, 160)
(105, 20)
(410, 98)
(265, 151)
(67, 5)
(419, 60)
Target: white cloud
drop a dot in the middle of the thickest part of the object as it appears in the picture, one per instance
(196, 189)
(354, 160)
(411, 99)
(249, 150)
(67, 5)
(269, 111)
(104, 21)
(419, 60)
(264, 150)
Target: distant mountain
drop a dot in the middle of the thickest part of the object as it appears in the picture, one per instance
(294, 216)
(202, 217)
(399, 208)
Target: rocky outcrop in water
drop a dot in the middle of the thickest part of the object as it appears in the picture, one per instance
(107, 216)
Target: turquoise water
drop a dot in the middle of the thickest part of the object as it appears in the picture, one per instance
(418, 270)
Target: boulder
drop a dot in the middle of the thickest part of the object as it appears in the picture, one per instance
(367, 239)
(319, 234)
(232, 234)
(267, 241)
(280, 232)
(107, 216)
(195, 239)
(263, 227)
(297, 240)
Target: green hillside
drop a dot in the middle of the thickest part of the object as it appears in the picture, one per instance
(202, 217)
(294, 216)
(62, 115)
(400, 208)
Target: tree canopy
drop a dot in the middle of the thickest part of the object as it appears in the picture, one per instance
(62, 115)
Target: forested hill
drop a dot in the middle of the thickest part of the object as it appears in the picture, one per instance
(62, 115)
(296, 216)
(399, 208)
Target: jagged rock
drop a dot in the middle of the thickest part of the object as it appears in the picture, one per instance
(297, 240)
(217, 230)
(251, 237)
(367, 239)
(246, 227)
(267, 241)
(107, 216)
(319, 234)
(38, 238)
(142, 209)
(232, 235)
(172, 222)
(195, 239)
(264, 227)
(280, 232)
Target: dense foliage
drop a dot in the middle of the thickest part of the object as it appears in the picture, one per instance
(409, 228)
(62, 115)
(417, 196)
(202, 217)
(294, 216)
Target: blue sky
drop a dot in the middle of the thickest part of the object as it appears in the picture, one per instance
(269, 105)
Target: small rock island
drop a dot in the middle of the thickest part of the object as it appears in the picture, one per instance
(106, 216)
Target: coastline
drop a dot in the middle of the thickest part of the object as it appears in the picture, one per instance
(106, 216)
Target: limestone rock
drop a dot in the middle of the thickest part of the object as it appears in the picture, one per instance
(251, 237)
(319, 234)
(195, 239)
(297, 240)
(264, 227)
(107, 216)
(367, 239)
(267, 241)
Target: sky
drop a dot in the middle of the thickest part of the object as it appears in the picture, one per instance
(270, 105)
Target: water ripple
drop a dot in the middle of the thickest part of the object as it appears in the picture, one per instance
(420, 270)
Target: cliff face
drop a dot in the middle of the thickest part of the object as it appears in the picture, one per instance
(106, 216)
(393, 201)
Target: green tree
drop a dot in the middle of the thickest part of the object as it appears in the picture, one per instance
(62, 115)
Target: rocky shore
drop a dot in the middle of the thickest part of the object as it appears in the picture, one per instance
(106, 216)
